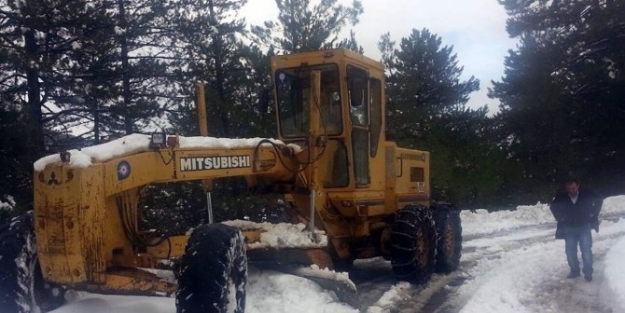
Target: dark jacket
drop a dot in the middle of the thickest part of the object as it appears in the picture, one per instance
(584, 211)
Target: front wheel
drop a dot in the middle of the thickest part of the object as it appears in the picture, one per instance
(213, 271)
(22, 288)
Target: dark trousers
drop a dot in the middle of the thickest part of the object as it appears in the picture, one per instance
(574, 236)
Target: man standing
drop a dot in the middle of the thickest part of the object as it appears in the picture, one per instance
(577, 211)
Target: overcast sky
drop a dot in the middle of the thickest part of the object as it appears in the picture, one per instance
(475, 29)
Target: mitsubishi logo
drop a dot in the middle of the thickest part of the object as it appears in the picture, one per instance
(53, 180)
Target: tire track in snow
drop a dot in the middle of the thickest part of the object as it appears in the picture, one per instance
(492, 253)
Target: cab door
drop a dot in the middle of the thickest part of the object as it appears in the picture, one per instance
(358, 99)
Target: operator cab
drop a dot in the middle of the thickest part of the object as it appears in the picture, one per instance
(350, 106)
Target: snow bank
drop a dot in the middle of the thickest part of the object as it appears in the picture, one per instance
(136, 143)
(613, 205)
(615, 277)
(274, 292)
(483, 222)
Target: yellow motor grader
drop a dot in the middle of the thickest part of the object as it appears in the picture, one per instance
(357, 194)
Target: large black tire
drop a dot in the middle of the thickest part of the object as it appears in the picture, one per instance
(449, 238)
(22, 289)
(213, 271)
(413, 244)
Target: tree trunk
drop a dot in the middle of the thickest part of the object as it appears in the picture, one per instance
(126, 93)
(219, 74)
(96, 122)
(34, 94)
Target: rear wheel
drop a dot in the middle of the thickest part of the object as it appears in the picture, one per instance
(413, 240)
(449, 241)
(213, 271)
(22, 288)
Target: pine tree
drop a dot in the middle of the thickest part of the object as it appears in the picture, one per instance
(427, 110)
(208, 43)
(423, 82)
(16, 169)
(303, 27)
(559, 93)
(209, 50)
(351, 43)
(132, 86)
(37, 38)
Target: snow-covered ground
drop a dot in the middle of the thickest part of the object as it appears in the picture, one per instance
(511, 263)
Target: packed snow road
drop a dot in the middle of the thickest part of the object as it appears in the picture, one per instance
(522, 271)
(511, 263)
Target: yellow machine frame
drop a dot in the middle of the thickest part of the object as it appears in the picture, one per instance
(83, 216)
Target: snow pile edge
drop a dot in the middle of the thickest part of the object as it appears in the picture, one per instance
(615, 277)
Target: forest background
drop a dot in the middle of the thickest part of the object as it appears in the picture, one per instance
(76, 72)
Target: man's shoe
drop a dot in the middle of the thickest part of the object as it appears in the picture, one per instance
(588, 277)
(573, 275)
